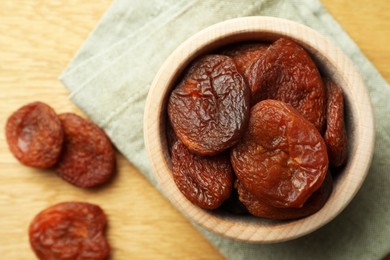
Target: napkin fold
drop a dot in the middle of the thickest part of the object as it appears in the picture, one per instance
(109, 80)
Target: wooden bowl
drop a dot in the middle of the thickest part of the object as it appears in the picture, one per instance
(331, 61)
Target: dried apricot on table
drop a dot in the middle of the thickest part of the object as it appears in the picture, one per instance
(314, 203)
(209, 108)
(287, 73)
(88, 157)
(335, 134)
(70, 230)
(282, 158)
(205, 181)
(34, 135)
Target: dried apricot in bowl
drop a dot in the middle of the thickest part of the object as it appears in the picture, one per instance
(335, 135)
(282, 158)
(332, 63)
(314, 203)
(245, 55)
(209, 108)
(287, 73)
(204, 180)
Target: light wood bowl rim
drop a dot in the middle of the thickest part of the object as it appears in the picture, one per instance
(332, 62)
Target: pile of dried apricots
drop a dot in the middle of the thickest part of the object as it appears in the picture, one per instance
(256, 128)
(81, 154)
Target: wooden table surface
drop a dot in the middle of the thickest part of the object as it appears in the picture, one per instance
(38, 38)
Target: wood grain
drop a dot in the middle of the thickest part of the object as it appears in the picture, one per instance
(368, 24)
(38, 38)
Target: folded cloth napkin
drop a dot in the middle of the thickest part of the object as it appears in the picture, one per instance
(109, 80)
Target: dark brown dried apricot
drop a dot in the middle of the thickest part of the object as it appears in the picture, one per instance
(209, 108)
(287, 73)
(88, 157)
(335, 134)
(244, 55)
(70, 230)
(282, 158)
(315, 202)
(34, 135)
(205, 181)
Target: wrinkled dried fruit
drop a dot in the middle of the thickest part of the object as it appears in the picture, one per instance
(34, 135)
(70, 230)
(209, 108)
(244, 55)
(287, 73)
(282, 157)
(335, 134)
(260, 209)
(88, 157)
(205, 181)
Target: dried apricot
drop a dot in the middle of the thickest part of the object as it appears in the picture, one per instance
(335, 134)
(260, 209)
(205, 181)
(244, 55)
(209, 108)
(282, 158)
(88, 157)
(34, 135)
(70, 230)
(287, 73)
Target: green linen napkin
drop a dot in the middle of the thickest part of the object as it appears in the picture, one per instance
(109, 80)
